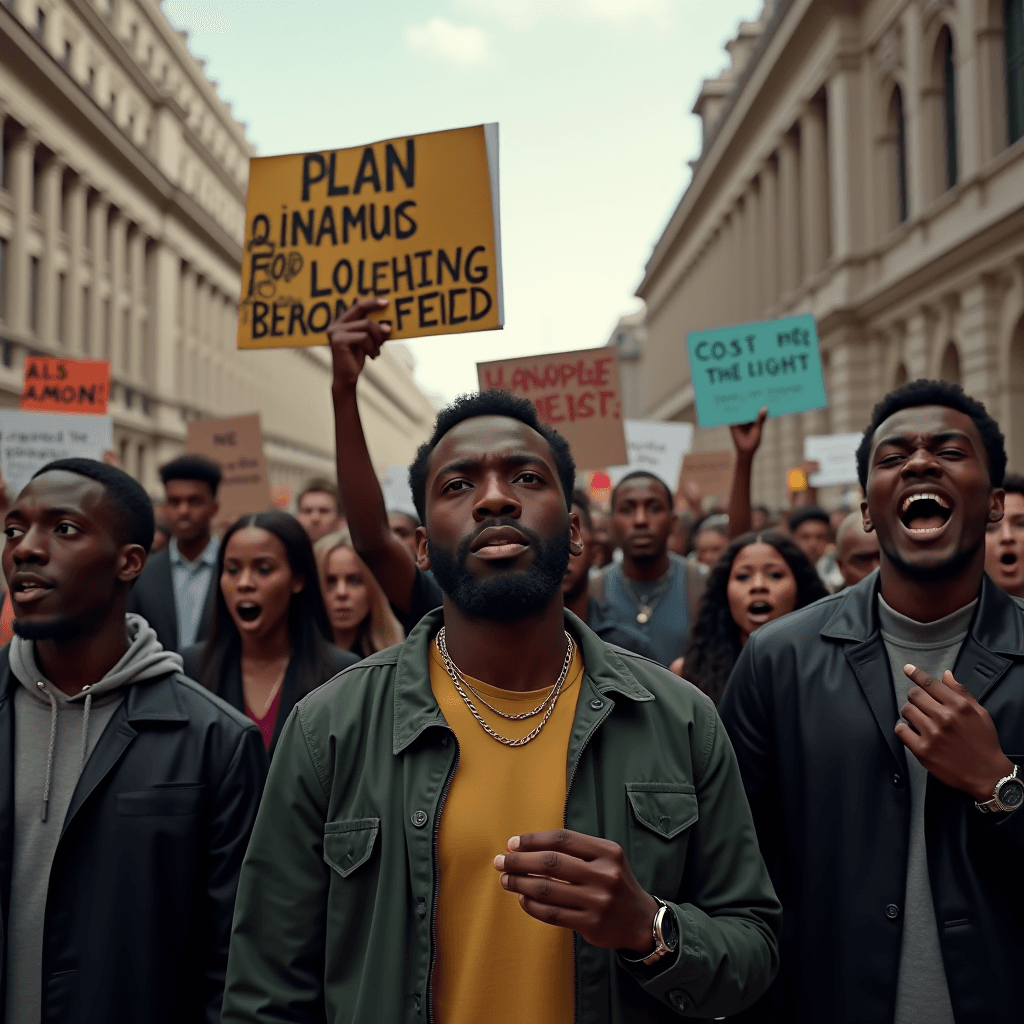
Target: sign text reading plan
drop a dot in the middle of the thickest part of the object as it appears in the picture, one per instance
(737, 370)
(413, 219)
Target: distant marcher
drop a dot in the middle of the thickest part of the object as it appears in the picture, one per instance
(857, 552)
(403, 525)
(680, 538)
(810, 528)
(175, 592)
(319, 509)
(652, 588)
(128, 791)
(711, 539)
(358, 612)
(760, 577)
(760, 518)
(270, 640)
(604, 539)
(576, 591)
(1004, 541)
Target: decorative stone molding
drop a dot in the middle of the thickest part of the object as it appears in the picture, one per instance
(929, 8)
(889, 49)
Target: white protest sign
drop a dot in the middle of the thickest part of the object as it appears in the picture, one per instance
(29, 440)
(836, 454)
(656, 447)
(397, 493)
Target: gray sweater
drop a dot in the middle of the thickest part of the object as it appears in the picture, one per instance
(53, 737)
(922, 994)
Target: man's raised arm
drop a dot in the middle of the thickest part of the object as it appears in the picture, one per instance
(353, 337)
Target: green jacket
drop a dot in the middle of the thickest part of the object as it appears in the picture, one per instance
(334, 918)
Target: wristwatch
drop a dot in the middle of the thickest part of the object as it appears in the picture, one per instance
(1007, 796)
(666, 935)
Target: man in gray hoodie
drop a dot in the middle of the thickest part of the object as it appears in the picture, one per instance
(127, 792)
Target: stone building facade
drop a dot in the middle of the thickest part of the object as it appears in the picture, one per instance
(862, 160)
(122, 201)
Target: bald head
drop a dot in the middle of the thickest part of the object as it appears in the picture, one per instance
(856, 550)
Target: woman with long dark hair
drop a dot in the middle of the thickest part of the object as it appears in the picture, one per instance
(268, 644)
(759, 577)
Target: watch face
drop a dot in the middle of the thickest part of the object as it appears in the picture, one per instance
(670, 931)
(1011, 794)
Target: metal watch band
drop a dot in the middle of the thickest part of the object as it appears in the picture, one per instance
(661, 947)
(994, 805)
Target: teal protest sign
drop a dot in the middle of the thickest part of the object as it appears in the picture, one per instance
(737, 370)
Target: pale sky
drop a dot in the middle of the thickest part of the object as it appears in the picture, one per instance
(592, 98)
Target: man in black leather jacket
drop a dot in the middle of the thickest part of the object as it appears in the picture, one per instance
(127, 792)
(880, 780)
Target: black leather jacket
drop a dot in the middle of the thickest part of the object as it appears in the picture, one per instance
(810, 709)
(142, 887)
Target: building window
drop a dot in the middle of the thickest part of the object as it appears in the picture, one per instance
(40, 22)
(90, 83)
(108, 325)
(898, 134)
(949, 107)
(1014, 22)
(68, 51)
(33, 293)
(126, 340)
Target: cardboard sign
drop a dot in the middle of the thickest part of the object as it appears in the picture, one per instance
(575, 392)
(737, 370)
(711, 471)
(397, 492)
(29, 440)
(657, 447)
(236, 445)
(414, 220)
(836, 455)
(66, 385)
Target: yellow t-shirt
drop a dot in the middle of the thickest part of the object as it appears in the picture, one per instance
(493, 959)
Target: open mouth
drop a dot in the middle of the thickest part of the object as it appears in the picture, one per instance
(249, 611)
(1008, 558)
(28, 589)
(925, 513)
(760, 610)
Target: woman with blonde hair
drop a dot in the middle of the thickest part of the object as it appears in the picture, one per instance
(361, 618)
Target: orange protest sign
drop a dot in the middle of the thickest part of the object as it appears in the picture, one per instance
(577, 393)
(66, 385)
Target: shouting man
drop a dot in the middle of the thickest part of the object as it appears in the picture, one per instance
(443, 817)
(127, 792)
(876, 729)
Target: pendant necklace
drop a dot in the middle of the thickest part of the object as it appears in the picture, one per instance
(646, 603)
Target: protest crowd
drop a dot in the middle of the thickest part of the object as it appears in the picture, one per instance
(295, 768)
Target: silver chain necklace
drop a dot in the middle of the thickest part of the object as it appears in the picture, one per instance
(459, 680)
(646, 603)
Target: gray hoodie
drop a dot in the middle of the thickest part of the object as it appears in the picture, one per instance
(53, 737)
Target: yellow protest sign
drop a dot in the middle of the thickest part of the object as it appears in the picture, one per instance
(412, 219)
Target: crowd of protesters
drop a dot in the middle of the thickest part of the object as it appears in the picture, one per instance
(667, 757)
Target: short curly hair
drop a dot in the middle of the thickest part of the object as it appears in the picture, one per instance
(490, 403)
(916, 393)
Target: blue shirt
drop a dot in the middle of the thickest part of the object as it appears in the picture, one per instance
(669, 621)
(191, 581)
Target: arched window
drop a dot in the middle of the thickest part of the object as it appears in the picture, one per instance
(948, 107)
(898, 134)
(1014, 22)
(950, 368)
(901, 375)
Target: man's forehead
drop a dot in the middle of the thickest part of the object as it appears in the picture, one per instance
(63, 489)
(926, 420)
(482, 436)
(640, 487)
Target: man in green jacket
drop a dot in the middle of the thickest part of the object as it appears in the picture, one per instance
(502, 816)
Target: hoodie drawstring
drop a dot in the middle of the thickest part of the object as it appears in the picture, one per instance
(49, 753)
(85, 727)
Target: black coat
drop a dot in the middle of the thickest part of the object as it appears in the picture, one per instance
(230, 688)
(142, 887)
(810, 709)
(152, 597)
